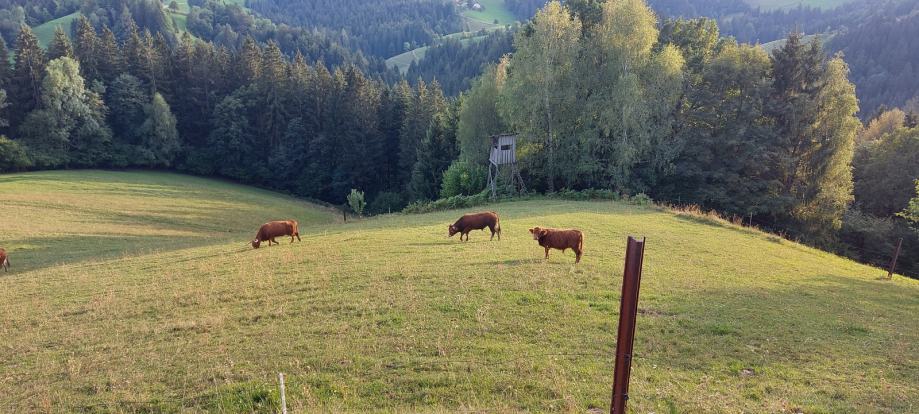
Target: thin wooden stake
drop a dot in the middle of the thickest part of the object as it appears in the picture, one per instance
(283, 397)
(893, 263)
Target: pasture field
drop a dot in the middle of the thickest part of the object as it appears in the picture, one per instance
(135, 292)
(494, 10)
(404, 60)
(45, 31)
(789, 4)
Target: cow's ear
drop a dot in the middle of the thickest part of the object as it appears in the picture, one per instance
(532, 231)
(543, 232)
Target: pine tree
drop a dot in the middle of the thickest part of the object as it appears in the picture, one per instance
(110, 63)
(813, 105)
(60, 45)
(250, 61)
(26, 78)
(85, 45)
(5, 67)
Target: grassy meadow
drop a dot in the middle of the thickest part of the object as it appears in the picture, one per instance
(493, 10)
(45, 31)
(135, 292)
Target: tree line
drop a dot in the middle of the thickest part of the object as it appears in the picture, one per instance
(251, 114)
(605, 97)
(379, 28)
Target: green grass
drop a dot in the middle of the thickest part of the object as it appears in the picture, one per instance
(404, 60)
(494, 10)
(788, 4)
(134, 292)
(45, 31)
(769, 47)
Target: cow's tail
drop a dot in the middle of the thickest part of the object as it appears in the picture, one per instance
(6, 262)
(498, 227)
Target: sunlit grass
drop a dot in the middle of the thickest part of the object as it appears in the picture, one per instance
(135, 292)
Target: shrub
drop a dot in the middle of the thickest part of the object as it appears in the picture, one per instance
(386, 202)
(641, 199)
(463, 178)
(459, 201)
(356, 201)
(12, 155)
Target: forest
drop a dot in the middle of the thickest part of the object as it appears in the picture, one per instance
(380, 28)
(603, 95)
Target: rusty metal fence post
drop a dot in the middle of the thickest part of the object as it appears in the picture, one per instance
(893, 263)
(628, 310)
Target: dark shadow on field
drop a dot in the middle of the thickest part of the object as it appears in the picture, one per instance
(43, 253)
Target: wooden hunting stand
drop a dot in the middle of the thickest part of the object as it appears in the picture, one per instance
(503, 152)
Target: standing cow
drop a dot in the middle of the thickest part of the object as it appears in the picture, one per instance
(476, 221)
(4, 260)
(560, 240)
(273, 229)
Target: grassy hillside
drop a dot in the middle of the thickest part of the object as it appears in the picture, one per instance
(769, 47)
(404, 60)
(135, 292)
(45, 31)
(493, 10)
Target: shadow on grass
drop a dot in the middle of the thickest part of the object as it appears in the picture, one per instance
(43, 253)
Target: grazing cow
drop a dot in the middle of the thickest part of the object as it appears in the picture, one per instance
(476, 221)
(4, 260)
(273, 229)
(560, 239)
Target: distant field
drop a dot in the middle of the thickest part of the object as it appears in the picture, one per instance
(135, 292)
(494, 10)
(404, 60)
(786, 4)
(775, 44)
(45, 32)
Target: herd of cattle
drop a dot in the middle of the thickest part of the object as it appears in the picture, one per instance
(548, 238)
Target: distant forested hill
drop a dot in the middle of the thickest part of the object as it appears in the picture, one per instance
(380, 27)
(880, 39)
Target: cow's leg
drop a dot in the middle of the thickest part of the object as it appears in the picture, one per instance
(547, 253)
(291, 238)
(577, 258)
(298, 236)
(492, 233)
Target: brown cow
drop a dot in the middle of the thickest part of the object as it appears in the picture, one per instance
(273, 229)
(476, 221)
(560, 239)
(4, 260)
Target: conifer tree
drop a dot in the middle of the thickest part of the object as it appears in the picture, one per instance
(26, 78)
(60, 45)
(85, 44)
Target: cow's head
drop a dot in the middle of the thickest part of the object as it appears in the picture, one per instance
(538, 232)
(451, 229)
(256, 243)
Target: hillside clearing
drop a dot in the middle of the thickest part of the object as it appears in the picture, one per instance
(404, 60)
(494, 10)
(45, 31)
(135, 292)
